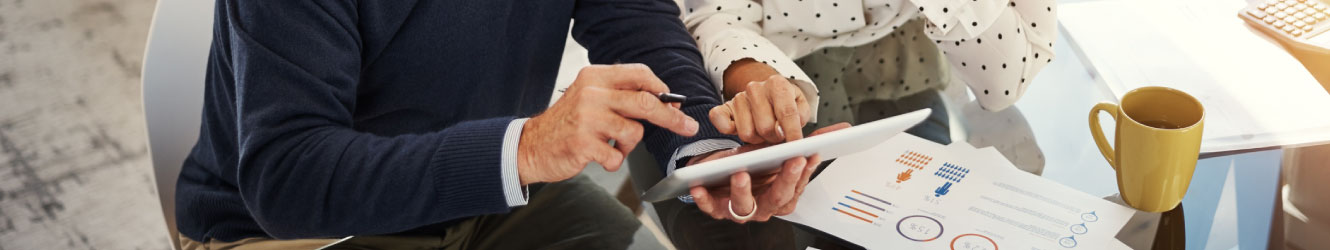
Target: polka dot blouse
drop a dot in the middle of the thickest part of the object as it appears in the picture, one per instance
(997, 46)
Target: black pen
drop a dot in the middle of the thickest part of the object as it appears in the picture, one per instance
(671, 98)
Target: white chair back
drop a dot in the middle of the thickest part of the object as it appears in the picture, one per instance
(173, 80)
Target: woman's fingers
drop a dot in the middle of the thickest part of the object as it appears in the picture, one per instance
(743, 118)
(809, 168)
(760, 103)
(782, 191)
(741, 196)
(784, 107)
(722, 117)
(705, 202)
(829, 129)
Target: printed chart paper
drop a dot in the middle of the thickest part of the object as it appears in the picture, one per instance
(910, 193)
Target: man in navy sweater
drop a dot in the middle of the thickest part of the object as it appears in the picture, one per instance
(325, 119)
(404, 121)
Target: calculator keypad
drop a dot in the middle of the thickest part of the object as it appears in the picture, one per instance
(1296, 18)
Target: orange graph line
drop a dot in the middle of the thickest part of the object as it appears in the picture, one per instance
(852, 215)
(862, 211)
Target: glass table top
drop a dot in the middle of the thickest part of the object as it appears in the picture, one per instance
(1229, 203)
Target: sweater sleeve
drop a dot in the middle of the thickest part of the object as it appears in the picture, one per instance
(302, 170)
(650, 32)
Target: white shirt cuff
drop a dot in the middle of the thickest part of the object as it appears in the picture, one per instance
(697, 148)
(513, 191)
(694, 149)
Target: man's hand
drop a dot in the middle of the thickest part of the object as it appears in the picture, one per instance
(775, 194)
(771, 110)
(599, 106)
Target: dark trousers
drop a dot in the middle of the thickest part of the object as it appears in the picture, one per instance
(572, 214)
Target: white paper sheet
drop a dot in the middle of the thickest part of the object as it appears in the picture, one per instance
(909, 193)
(1255, 94)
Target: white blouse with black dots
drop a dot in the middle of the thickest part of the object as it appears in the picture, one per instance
(996, 45)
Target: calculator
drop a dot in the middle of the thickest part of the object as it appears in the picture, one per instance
(1302, 24)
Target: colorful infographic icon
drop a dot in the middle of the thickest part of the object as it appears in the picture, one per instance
(919, 228)
(1090, 217)
(973, 242)
(1079, 228)
(904, 176)
(913, 161)
(942, 190)
(1067, 242)
(952, 172)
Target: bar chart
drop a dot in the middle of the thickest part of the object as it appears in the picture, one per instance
(861, 206)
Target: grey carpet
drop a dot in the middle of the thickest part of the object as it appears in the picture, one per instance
(74, 170)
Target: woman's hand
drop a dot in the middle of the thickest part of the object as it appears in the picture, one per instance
(767, 111)
(771, 195)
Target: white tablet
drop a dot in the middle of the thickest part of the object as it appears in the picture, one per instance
(768, 160)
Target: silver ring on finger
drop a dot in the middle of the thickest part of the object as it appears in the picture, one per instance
(744, 217)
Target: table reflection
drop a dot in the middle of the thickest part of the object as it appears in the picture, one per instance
(1007, 131)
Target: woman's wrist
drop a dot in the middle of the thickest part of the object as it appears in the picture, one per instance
(743, 71)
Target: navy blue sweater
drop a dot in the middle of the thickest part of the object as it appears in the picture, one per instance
(341, 117)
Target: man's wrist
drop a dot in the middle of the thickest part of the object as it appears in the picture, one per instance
(697, 152)
(524, 157)
(689, 161)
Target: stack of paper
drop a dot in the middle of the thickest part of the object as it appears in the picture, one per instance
(910, 193)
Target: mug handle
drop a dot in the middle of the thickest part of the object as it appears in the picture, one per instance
(1098, 133)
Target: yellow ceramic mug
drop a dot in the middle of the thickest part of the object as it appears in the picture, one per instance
(1157, 143)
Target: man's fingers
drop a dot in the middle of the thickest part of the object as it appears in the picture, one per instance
(633, 76)
(601, 152)
(625, 133)
(741, 194)
(743, 118)
(829, 129)
(722, 117)
(645, 106)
